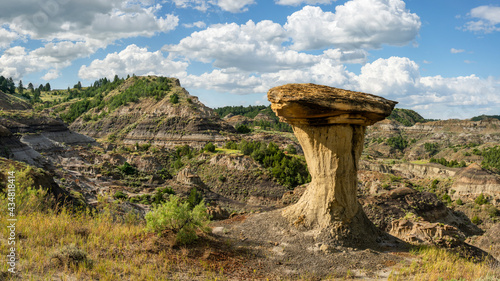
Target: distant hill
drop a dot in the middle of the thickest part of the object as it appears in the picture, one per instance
(150, 109)
(482, 117)
(407, 117)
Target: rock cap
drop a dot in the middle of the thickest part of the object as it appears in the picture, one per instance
(317, 105)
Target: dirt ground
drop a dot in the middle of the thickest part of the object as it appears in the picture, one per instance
(278, 251)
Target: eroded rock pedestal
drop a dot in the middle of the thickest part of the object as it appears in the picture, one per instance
(330, 125)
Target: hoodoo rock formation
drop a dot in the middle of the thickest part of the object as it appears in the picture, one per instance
(330, 126)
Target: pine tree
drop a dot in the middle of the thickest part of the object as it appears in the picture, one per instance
(20, 88)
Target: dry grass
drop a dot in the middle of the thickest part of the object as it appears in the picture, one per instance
(435, 264)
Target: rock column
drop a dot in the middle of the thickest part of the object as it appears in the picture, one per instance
(330, 126)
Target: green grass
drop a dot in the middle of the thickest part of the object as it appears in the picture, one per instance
(420, 162)
(435, 264)
(228, 151)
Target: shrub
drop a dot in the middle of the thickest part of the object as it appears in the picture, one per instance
(493, 212)
(127, 169)
(481, 200)
(120, 195)
(447, 199)
(398, 142)
(291, 149)
(194, 198)
(459, 202)
(174, 98)
(243, 129)
(476, 220)
(210, 147)
(432, 148)
(179, 218)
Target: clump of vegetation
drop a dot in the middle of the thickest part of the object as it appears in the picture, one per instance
(120, 195)
(459, 202)
(209, 147)
(291, 149)
(179, 218)
(451, 164)
(407, 117)
(491, 158)
(252, 111)
(94, 96)
(290, 171)
(174, 98)
(440, 264)
(127, 169)
(243, 129)
(71, 255)
(476, 220)
(481, 199)
(398, 142)
(431, 148)
(159, 196)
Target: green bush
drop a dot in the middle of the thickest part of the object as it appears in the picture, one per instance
(459, 202)
(127, 169)
(194, 198)
(481, 200)
(432, 148)
(210, 147)
(243, 129)
(174, 98)
(398, 142)
(476, 220)
(291, 149)
(179, 218)
(120, 195)
(493, 212)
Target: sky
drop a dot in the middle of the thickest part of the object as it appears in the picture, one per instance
(440, 58)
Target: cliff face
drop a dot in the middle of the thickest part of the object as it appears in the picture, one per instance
(473, 181)
(23, 135)
(162, 122)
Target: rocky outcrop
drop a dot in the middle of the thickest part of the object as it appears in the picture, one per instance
(23, 135)
(473, 181)
(410, 170)
(422, 232)
(489, 241)
(330, 125)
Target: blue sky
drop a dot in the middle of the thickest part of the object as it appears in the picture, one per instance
(440, 58)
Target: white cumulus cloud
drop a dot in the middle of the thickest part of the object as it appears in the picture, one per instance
(298, 2)
(235, 6)
(133, 60)
(198, 24)
(248, 47)
(456, 51)
(7, 37)
(487, 19)
(354, 25)
(232, 6)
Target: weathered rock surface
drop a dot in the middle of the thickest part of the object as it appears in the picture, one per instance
(330, 125)
(473, 181)
(24, 135)
(422, 232)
